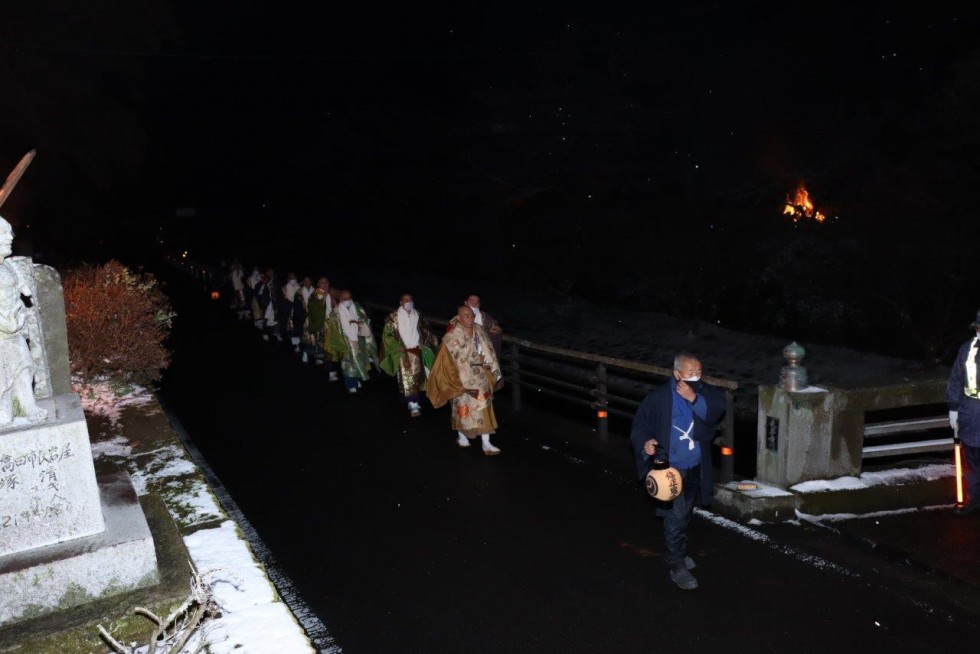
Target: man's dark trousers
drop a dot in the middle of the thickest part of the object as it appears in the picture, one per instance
(678, 515)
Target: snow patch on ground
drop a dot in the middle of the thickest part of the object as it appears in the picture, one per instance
(812, 389)
(169, 472)
(168, 461)
(895, 477)
(931, 472)
(103, 397)
(840, 517)
(253, 619)
(757, 536)
(118, 446)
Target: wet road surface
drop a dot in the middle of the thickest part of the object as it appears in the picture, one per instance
(402, 542)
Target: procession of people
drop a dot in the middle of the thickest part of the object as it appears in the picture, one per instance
(327, 327)
(672, 430)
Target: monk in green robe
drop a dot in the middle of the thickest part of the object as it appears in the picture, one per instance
(350, 342)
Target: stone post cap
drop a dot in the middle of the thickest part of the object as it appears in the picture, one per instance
(794, 352)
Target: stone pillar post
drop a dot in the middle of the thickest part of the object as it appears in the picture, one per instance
(808, 434)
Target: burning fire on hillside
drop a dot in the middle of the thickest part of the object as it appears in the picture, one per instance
(800, 207)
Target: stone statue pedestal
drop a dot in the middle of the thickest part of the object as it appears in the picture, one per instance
(48, 492)
(65, 537)
(55, 577)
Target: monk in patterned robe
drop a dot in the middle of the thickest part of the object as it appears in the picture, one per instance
(485, 320)
(466, 374)
(407, 351)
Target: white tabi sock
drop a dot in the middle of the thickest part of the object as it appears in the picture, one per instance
(487, 447)
(462, 439)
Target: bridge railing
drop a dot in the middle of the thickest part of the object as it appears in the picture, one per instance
(905, 435)
(605, 385)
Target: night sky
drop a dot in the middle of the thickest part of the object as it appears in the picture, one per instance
(612, 135)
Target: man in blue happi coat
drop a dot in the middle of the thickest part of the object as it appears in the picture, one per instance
(676, 423)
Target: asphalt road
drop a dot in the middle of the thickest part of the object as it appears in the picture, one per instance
(402, 542)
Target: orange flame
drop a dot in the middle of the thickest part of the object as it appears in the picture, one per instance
(799, 206)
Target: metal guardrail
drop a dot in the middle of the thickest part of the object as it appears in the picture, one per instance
(923, 393)
(901, 426)
(873, 431)
(606, 385)
(898, 449)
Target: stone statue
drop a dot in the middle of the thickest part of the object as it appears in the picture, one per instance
(67, 537)
(16, 362)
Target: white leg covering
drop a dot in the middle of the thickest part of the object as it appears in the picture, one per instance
(487, 446)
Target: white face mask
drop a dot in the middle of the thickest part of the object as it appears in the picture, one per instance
(693, 379)
(408, 306)
(348, 303)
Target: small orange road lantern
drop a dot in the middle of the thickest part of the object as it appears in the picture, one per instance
(215, 295)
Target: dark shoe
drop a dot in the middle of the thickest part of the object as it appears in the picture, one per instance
(684, 579)
(967, 509)
(689, 563)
